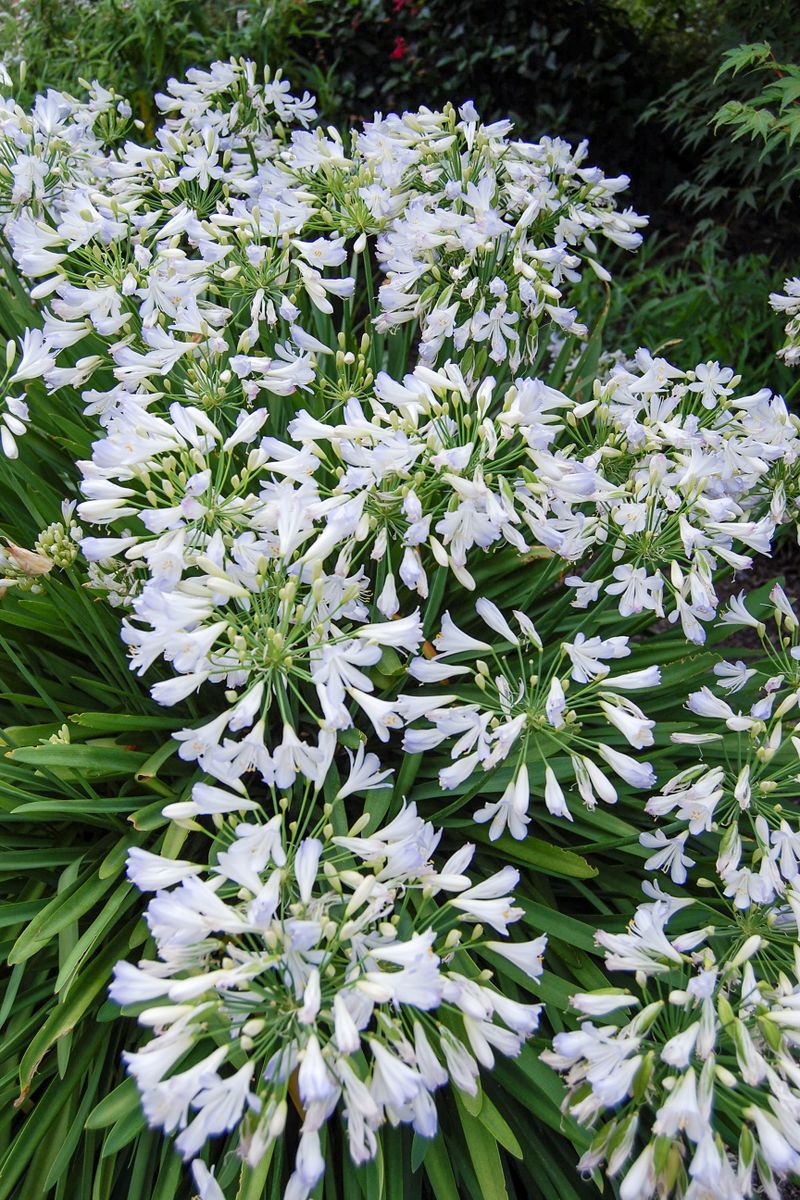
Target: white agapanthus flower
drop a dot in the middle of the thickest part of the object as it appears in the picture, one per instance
(516, 700)
(787, 303)
(690, 1085)
(318, 968)
(738, 799)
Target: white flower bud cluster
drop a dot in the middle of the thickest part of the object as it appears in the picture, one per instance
(60, 541)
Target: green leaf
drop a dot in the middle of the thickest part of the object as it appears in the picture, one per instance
(42, 1117)
(439, 1172)
(541, 856)
(252, 1180)
(483, 1153)
(105, 722)
(123, 1132)
(68, 1146)
(499, 1128)
(64, 908)
(113, 1107)
(419, 1149)
(66, 1015)
(103, 760)
(152, 765)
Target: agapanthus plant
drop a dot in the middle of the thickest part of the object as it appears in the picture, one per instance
(355, 530)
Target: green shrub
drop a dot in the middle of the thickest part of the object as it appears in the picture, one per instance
(729, 178)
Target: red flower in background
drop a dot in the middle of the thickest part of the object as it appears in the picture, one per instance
(400, 48)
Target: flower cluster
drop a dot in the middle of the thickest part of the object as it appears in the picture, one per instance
(695, 476)
(321, 971)
(526, 707)
(787, 302)
(60, 145)
(695, 1080)
(740, 796)
(493, 230)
